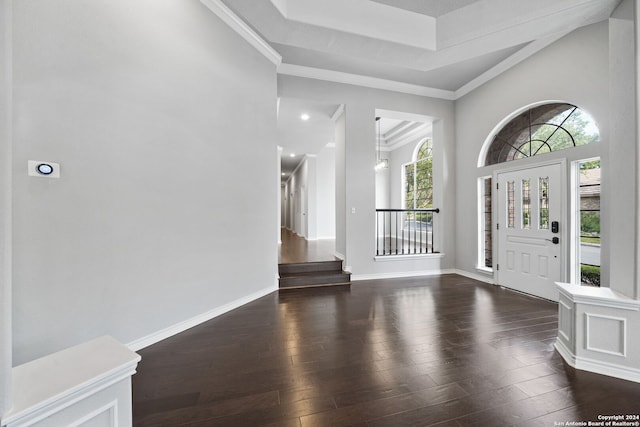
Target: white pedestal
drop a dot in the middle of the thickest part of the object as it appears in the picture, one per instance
(598, 330)
(85, 385)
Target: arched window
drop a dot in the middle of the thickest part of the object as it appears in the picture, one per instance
(418, 177)
(542, 129)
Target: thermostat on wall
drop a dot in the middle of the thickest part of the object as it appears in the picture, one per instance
(43, 169)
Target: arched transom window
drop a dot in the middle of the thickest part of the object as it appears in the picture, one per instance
(542, 129)
(418, 177)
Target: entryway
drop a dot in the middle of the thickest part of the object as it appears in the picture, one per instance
(531, 234)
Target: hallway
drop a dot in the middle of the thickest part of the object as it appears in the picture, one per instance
(295, 249)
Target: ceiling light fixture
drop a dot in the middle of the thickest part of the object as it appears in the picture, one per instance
(292, 155)
(380, 162)
(283, 174)
(304, 116)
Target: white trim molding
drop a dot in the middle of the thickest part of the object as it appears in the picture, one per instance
(365, 81)
(196, 320)
(598, 367)
(622, 333)
(475, 276)
(601, 297)
(391, 258)
(239, 26)
(400, 274)
(335, 116)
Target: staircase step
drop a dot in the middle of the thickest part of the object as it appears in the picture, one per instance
(309, 279)
(307, 267)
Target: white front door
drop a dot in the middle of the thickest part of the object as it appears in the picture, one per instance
(530, 230)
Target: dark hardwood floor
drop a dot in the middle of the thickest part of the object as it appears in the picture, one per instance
(444, 350)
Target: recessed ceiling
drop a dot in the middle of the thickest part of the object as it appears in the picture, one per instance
(470, 38)
(463, 44)
(433, 8)
(398, 129)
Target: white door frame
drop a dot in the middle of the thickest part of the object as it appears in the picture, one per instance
(565, 226)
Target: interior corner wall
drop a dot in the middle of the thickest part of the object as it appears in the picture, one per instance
(326, 193)
(5, 205)
(310, 215)
(637, 120)
(302, 190)
(283, 205)
(573, 69)
(145, 105)
(287, 207)
(622, 197)
(357, 156)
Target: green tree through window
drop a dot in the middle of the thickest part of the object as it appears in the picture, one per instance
(419, 179)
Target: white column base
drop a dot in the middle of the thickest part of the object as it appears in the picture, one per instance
(86, 384)
(596, 328)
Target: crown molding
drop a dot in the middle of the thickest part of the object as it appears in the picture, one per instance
(239, 26)
(360, 80)
(336, 114)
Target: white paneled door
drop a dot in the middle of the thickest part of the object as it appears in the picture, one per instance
(530, 230)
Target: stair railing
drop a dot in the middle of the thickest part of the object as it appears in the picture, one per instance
(405, 231)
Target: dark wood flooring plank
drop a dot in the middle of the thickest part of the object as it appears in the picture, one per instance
(442, 350)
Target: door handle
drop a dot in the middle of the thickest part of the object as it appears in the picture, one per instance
(555, 240)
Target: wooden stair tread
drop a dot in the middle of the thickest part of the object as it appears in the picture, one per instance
(321, 285)
(313, 274)
(303, 267)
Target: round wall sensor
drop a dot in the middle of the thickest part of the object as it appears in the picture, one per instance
(44, 169)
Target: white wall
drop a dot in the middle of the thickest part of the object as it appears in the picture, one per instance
(326, 192)
(161, 202)
(359, 175)
(300, 188)
(622, 194)
(574, 69)
(5, 205)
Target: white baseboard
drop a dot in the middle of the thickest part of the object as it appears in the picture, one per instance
(566, 354)
(475, 276)
(400, 274)
(597, 366)
(172, 330)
